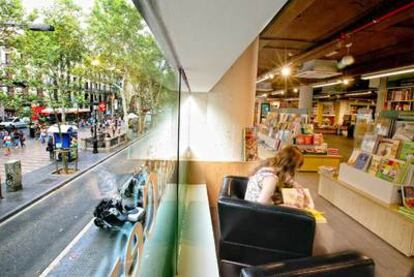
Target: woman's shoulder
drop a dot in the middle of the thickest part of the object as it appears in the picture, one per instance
(266, 172)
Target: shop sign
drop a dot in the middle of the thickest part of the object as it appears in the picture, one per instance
(102, 106)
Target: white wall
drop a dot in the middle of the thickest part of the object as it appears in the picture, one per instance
(212, 123)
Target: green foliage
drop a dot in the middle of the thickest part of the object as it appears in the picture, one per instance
(110, 45)
(10, 11)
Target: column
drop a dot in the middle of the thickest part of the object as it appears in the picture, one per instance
(305, 98)
(382, 96)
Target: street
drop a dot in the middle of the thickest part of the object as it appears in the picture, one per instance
(32, 239)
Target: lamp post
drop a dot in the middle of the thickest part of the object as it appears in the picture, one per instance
(31, 27)
(95, 135)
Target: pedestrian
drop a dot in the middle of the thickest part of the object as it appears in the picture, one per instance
(1, 138)
(7, 140)
(42, 135)
(16, 138)
(50, 147)
(22, 139)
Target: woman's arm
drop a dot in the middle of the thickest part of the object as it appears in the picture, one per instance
(268, 189)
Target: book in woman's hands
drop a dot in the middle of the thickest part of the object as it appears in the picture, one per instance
(297, 197)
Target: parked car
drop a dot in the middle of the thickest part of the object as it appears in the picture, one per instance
(13, 122)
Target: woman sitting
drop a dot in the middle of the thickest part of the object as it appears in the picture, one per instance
(265, 186)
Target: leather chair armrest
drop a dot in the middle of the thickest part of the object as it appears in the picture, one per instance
(343, 264)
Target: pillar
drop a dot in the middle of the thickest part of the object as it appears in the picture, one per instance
(305, 98)
(382, 96)
(13, 172)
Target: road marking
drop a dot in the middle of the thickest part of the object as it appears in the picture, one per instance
(76, 178)
(65, 251)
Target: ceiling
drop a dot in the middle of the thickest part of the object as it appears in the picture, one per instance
(206, 37)
(321, 29)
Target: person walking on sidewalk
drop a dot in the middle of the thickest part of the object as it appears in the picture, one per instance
(50, 148)
(22, 138)
(7, 140)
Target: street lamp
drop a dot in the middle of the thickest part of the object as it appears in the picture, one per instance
(95, 135)
(32, 27)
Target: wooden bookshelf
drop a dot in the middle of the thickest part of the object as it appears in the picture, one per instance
(400, 99)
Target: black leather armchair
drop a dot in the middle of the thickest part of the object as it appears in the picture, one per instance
(256, 234)
(343, 264)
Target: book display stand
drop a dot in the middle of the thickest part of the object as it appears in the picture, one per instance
(368, 187)
(292, 127)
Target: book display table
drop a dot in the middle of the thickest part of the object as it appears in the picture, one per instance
(376, 215)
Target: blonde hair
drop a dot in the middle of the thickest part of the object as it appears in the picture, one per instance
(285, 163)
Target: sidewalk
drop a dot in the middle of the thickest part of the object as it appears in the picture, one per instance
(41, 181)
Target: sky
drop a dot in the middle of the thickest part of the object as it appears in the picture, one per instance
(29, 5)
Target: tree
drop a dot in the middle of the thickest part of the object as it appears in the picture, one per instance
(120, 42)
(51, 57)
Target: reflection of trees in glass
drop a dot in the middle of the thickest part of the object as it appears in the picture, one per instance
(119, 39)
(112, 45)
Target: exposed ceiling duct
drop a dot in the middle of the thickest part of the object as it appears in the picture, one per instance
(318, 69)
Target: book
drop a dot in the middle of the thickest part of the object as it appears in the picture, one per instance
(319, 218)
(407, 193)
(354, 156)
(374, 164)
(404, 131)
(369, 143)
(388, 148)
(297, 197)
(383, 127)
(362, 161)
(318, 139)
(407, 151)
(389, 169)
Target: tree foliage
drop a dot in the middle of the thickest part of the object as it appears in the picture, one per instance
(111, 45)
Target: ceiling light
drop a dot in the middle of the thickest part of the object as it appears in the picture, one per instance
(359, 93)
(345, 81)
(295, 90)
(264, 89)
(278, 92)
(386, 73)
(286, 71)
(333, 83)
(322, 96)
(333, 53)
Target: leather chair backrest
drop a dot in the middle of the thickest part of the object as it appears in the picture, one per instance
(253, 233)
(234, 187)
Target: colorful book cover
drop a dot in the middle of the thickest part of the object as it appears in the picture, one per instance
(388, 148)
(407, 193)
(404, 131)
(318, 139)
(407, 151)
(369, 143)
(389, 169)
(354, 156)
(297, 197)
(374, 164)
(362, 161)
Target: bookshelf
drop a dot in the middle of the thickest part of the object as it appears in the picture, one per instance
(400, 98)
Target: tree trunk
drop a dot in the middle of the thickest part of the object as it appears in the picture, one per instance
(124, 99)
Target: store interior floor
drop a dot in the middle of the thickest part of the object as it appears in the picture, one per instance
(341, 232)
